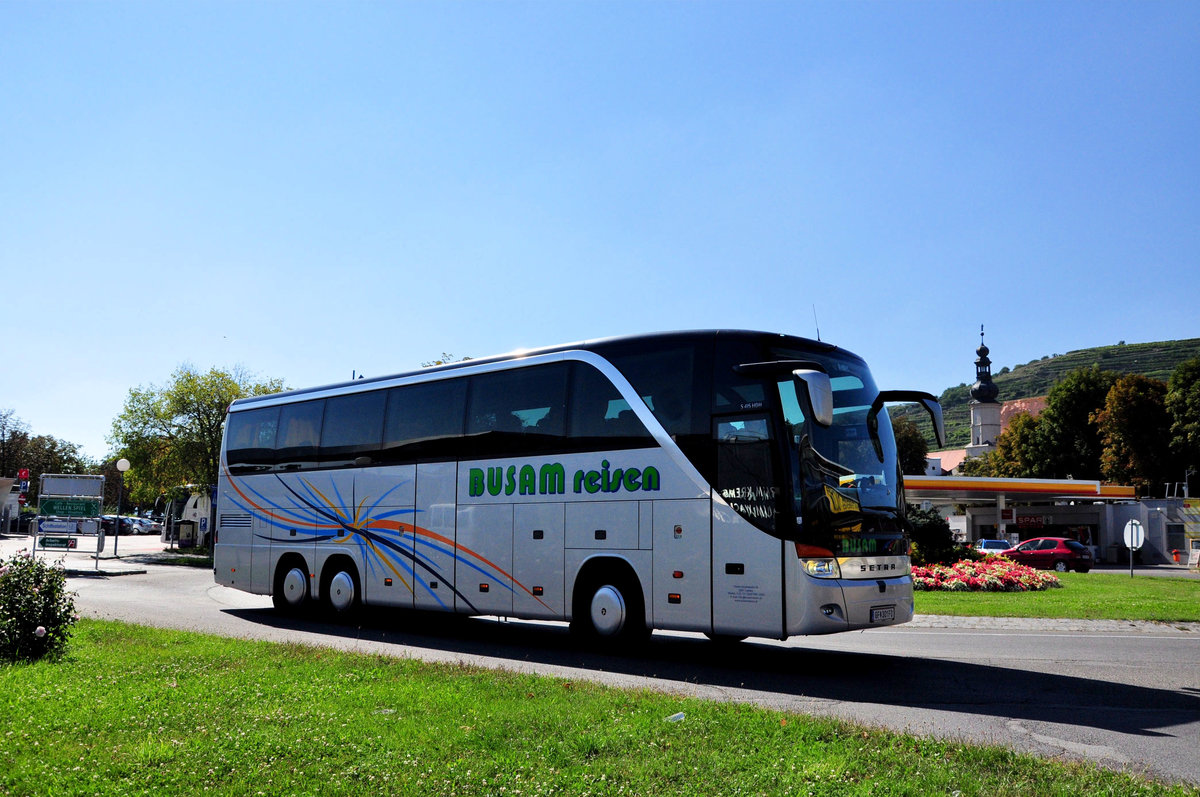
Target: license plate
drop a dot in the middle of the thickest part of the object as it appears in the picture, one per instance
(883, 614)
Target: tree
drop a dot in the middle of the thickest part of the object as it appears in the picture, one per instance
(40, 453)
(911, 447)
(933, 541)
(1183, 409)
(172, 434)
(1135, 430)
(14, 434)
(985, 465)
(46, 454)
(1070, 443)
(445, 359)
(1019, 452)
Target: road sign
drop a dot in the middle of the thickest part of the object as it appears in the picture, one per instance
(70, 507)
(23, 474)
(58, 542)
(1135, 535)
(54, 526)
(72, 485)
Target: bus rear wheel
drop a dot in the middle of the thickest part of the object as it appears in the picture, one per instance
(339, 590)
(291, 589)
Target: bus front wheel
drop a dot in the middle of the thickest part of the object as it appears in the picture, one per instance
(610, 609)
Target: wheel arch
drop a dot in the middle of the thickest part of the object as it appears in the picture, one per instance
(598, 568)
(286, 562)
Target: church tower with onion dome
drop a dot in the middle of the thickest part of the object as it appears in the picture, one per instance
(985, 409)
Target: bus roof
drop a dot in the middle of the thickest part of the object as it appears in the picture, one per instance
(596, 345)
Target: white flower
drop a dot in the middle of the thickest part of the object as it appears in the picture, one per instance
(40, 631)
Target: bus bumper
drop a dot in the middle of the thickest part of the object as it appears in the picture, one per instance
(828, 606)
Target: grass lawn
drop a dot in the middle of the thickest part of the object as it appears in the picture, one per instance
(1094, 596)
(134, 710)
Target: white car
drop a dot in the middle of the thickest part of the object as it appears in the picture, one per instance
(992, 546)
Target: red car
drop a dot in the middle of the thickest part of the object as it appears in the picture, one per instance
(1052, 553)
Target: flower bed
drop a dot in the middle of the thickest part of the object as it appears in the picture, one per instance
(992, 574)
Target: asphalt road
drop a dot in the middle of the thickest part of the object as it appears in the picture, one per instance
(1124, 695)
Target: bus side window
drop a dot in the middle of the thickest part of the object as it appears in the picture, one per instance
(665, 381)
(517, 412)
(250, 440)
(424, 422)
(353, 427)
(600, 417)
(299, 435)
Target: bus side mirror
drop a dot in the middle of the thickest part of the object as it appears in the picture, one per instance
(926, 400)
(820, 394)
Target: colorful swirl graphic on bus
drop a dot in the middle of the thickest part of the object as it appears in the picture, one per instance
(386, 545)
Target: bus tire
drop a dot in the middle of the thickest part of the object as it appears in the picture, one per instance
(340, 591)
(609, 607)
(291, 592)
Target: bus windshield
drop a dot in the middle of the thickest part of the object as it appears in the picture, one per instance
(846, 486)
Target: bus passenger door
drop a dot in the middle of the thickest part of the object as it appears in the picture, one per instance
(538, 548)
(433, 536)
(747, 563)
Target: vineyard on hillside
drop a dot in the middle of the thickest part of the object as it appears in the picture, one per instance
(1156, 360)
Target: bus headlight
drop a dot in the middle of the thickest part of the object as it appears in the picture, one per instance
(821, 568)
(818, 562)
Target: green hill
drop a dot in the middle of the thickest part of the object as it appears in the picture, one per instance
(1156, 360)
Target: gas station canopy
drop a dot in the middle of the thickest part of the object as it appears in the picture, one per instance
(981, 490)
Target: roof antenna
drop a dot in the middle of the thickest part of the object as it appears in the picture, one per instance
(816, 323)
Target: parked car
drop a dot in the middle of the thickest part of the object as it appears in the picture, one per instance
(1052, 553)
(128, 525)
(992, 546)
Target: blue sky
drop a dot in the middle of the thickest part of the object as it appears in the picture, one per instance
(313, 189)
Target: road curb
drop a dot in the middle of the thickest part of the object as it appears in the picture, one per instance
(77, 572)
(1049, 625)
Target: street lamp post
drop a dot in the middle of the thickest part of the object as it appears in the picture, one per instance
(122, 466)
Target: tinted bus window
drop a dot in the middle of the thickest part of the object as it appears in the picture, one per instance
(599, 417)
(518, 412)
(424, 421)
(353, 427)
(299, 435)
(665, 381)
(745, 472)
(250, 439)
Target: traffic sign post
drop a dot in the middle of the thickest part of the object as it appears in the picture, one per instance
(1135, 536)
(69, 503)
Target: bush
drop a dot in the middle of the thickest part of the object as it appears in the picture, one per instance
(36, 611)
(933, 542)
